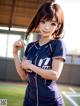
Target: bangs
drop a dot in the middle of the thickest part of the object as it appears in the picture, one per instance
(47, 15)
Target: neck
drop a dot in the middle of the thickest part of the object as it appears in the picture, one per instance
(44, 40)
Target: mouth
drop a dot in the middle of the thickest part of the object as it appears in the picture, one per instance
(46, 32)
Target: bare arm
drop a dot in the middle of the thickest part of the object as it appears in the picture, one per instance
(16, 47)
(52, 74)
(20, 71)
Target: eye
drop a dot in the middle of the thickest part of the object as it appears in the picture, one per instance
(53, 24)
(42, 21)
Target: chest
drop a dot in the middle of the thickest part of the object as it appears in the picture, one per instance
(41, 57)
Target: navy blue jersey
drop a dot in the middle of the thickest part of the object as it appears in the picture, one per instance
(41, 92)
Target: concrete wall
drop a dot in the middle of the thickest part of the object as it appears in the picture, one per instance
(70, 73)
(8, 70)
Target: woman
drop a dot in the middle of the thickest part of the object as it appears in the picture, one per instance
(44, 58)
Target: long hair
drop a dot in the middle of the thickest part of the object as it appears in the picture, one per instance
(47, 11)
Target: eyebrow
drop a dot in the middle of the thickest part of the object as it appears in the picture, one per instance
(53, 20)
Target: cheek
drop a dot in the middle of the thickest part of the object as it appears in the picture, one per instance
(54, 28)
(41, 25)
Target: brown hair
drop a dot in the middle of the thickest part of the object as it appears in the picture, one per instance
(47, 11)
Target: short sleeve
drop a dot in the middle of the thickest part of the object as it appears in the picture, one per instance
(59, 49)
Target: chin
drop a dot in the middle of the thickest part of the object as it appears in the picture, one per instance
(45, 34)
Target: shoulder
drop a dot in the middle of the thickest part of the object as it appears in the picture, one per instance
(57, 45)
(31, 44)
(29, 47)
(58, 49)
(57, 42)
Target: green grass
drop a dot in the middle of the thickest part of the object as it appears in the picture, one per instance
(14, 93)
(77, 100)
(66, 89)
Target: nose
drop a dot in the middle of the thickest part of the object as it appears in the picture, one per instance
(47, 26)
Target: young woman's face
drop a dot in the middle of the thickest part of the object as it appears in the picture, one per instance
(47, 28)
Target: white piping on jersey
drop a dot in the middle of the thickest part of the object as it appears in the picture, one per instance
(45, 82)
(46, 46)
(59, 57)
(36, 83)
(36, 46)
(32, 46)
(50, 47)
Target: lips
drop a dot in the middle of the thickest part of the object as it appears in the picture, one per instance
(45, 31)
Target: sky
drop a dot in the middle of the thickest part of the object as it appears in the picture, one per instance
(71, 24)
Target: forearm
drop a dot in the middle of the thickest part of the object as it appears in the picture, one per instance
(46, 74)
(20, 71)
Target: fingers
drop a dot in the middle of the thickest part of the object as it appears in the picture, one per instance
(19, 43)
(25, 65)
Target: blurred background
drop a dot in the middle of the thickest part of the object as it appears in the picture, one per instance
(15, 16)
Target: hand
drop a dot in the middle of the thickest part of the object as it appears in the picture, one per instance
(17, 46)
(26, 65)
